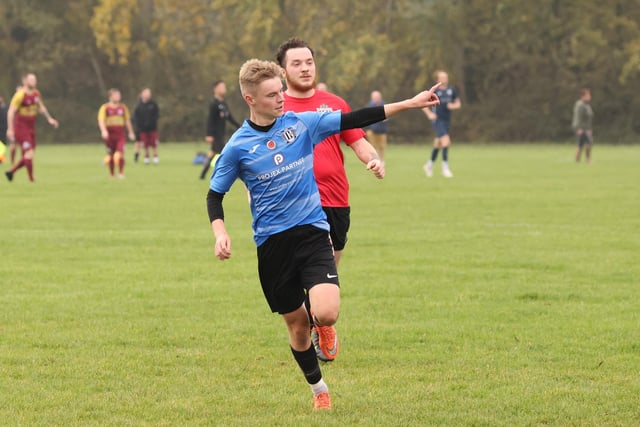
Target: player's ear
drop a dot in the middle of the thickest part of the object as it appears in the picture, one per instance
(249, 99)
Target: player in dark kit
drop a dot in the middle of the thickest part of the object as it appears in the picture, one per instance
(216, 124)
(145, 118)
(272, 153)
(440, 116)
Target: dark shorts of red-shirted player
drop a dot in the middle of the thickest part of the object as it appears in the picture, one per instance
(339, 220)
(292, 262)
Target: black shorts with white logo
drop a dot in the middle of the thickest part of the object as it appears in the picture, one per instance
(292, 262)
(339, 220)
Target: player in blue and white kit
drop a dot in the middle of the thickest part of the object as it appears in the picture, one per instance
(272, 153)
(440, 117)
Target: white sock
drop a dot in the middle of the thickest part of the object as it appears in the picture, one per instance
(319, 387)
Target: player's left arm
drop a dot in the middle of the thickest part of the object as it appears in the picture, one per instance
(127, 121)
(233, 120)
(369, 156)
(43, 110)
(456, 104)
(216, 217)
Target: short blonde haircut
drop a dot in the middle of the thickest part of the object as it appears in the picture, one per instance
(254, 71)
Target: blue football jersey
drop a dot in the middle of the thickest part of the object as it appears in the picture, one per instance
(277, 168)
(446, 95)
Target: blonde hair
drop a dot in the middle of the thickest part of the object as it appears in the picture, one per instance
(254, 71)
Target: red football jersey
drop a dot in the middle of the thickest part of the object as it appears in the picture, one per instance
(328, 160)
(27, 107)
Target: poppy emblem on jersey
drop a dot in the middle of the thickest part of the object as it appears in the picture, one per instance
(271, 144)
(289, 135)
(278, 159)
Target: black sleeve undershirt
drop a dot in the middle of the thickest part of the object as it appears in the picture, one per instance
(362, 117)
(214, 205)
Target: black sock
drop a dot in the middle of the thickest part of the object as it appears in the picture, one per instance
(135, 156)
(445, 154)
(308, 362)
(434, 154)
(207, 164)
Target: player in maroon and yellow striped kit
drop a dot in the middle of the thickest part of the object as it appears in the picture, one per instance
(113, 119)
(21, 123)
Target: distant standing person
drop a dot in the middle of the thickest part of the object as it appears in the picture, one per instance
(216, 124)
(3, 129)
(21, 123)
(322, 86)
(114, 122)
(145, 117)
(377, 132)
(440, 117)
(582, 119)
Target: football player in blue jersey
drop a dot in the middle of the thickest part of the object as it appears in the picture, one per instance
(272, 153)
(440, 116)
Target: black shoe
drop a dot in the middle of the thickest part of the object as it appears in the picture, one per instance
(9, 175)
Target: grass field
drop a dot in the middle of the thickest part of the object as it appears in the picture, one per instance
(506, 296)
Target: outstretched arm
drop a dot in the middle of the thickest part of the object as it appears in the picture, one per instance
(367, 116)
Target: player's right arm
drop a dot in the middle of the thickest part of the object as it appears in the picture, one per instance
(102, 117)
(216, 216)
(210, 125)
(11, 114)
(430, 114)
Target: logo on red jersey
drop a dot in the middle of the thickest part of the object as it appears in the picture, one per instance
(324, 108)
(271, 144)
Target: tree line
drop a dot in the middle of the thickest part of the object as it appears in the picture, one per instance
(518, 65)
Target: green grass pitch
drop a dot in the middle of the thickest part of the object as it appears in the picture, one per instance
(508, 295)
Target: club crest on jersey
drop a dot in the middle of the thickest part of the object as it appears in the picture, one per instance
(271, 144)
(289, 135)
(324, 108)
(278, 159)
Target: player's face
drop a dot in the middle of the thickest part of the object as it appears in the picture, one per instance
(268, 99)
(145, 95)
(115, 97)
(300, 69)
(220, 91)
(443, 78)
(30, 81)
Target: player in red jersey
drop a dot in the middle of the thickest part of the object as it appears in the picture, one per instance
(21, 122)
(113, 119)
(296, 57)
